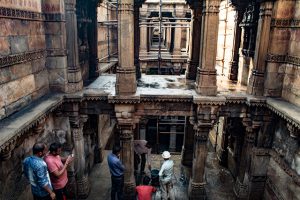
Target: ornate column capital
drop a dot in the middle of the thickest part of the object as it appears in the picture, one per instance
(211, 7)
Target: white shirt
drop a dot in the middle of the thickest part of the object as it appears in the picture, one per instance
(166, 171)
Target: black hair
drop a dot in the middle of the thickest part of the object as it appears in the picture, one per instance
(54, 147)
(38, 147)
(116, 149)
(146, 180)
(149, 144)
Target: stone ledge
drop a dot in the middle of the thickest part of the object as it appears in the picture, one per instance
(17, 124)
(286, 110)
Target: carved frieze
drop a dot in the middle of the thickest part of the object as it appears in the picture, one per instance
(283, 59)
(20, 14)
(21, 58)
(285, 23)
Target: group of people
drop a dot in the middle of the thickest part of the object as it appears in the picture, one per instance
(47, 172)
(142, 151)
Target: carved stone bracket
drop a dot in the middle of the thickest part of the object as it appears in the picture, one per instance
(294, 131)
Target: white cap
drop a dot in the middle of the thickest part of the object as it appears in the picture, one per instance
(166, 154)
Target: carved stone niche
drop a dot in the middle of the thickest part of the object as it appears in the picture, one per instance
(294, 131)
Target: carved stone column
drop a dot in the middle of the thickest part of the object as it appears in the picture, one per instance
(194, 42)
(256, 81)
(82, 182)
(223, 154)
(206, 80)
(197, 182)
(187, 149)
(127, 156)
(143, 36)
(277, 50)
(126, 125)
(126, 77)
(241, 187)
(74, 72)
(258, 173)
(137, 40)
(234, 63)
(202, 125)
(178, 31)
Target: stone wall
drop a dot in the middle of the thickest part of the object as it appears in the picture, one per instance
(13, 183)
(280, 184)
(107, 35)
(291, 81)
(23, 75)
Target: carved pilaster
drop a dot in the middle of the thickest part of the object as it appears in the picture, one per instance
(206, 75)
(127, 156)
(126, 72)
(137, 41)
(202, 125)
(194, 43)
(233, 66)
(82, 184)
(74, 72)
(256, 81)
(258, 172)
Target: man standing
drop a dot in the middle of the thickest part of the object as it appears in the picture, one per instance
(35, 170)
(145, 191)
(165, 177)
(142, 152)
(117, 173)
(58, 170)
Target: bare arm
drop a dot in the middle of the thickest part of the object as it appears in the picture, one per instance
(58, 173)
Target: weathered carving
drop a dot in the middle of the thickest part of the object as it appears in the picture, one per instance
(283, 59)
(21, 58)
(285, 23)
(20, 14)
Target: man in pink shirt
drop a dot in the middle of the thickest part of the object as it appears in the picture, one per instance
(58, 170)
(145, 191)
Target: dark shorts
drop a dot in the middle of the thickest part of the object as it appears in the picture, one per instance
(60, 194)
(41, 198)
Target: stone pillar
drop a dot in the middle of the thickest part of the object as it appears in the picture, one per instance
(126, 126)
(137, 40)
(74, 72)
(178, 31)
(241, 187)
(256, 81)
(173, 135)
(206, 80)
(127, 156)
(197, 182)
(234, 63)
(187, 149)
(223, 154)
(56, 60)
(201, 127)
(258, 173)
(194, 42)
(92, 37)
(76, 123)
(143, 36)
(278, 47)
(126, 77)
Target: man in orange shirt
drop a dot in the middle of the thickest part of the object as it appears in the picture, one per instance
(145, 191)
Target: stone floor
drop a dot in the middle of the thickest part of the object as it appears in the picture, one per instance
(219, 180)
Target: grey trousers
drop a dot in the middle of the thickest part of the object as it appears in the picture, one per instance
(167, 191)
